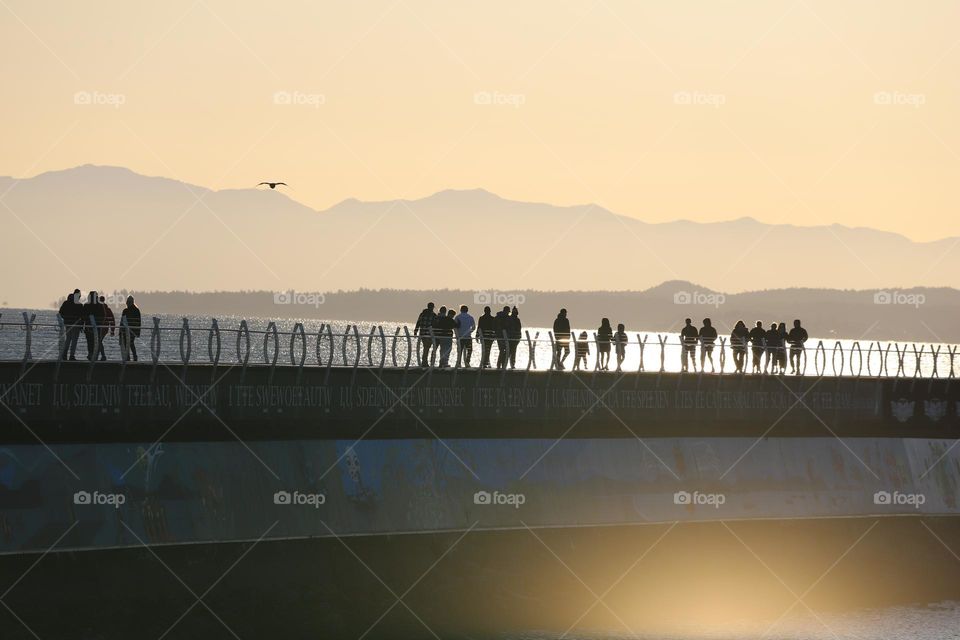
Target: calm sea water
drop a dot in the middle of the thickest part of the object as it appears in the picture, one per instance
(199, 344)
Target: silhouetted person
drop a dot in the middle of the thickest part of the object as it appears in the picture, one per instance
(773, 348)
(129, 335)
(797, 337)
(486, 332)
(604, 340)
(465, 326)
(738, 344)
(688, 345)
(582, 351)
(446, 325)
(514, 332)
(93, 319)
(109, 324)
(424, 329)
(782, 351)
(758, 338)
(72, 313)
(561, 338)
(435, 348)
(501, 326)
(620, 340)
(708, 336)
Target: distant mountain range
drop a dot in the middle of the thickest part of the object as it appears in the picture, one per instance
(922, 315)
(110, 228)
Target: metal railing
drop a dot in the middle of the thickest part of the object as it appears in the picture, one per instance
(376, 347)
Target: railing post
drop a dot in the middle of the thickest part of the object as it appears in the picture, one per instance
(155, 341)
(393, 347)
(243, 333)
(185, 336)
(298, 332)
(869, 359)
(356, 336)
(531, 350)
(596, 348)
(723, 353)
(383, 346)
(406, 333)
(370, 347)
(642, 343)
(936, 356)
(320, 340)
(271, 332)
(820, 365)
(554, 356)
(333, 349)
(213, 338)
(663, 352)
(343, 347)
(856, 345)
(573, 347)
(28, 340)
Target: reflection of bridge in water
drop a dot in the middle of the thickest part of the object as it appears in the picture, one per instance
(368, 345)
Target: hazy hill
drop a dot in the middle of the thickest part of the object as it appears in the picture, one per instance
(110, 228)
(924, 315)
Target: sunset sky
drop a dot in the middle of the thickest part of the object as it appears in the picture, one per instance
(805, 111)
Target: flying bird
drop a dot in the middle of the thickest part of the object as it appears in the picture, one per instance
(273, 185)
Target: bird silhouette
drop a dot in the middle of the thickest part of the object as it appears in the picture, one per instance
(273, 185)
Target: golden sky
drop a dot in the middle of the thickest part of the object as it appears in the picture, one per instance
(806, 111)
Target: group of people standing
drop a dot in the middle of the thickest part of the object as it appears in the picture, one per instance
(770, 347)
(436, 330)
(95, 319)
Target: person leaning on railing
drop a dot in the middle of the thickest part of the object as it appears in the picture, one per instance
(561, 337)
(129, 329)
(738, 344)
(514, 331)
(758, 339)
(797, 337)
(486, 332)
(424, 329)
(465, 326)
(71, 312)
